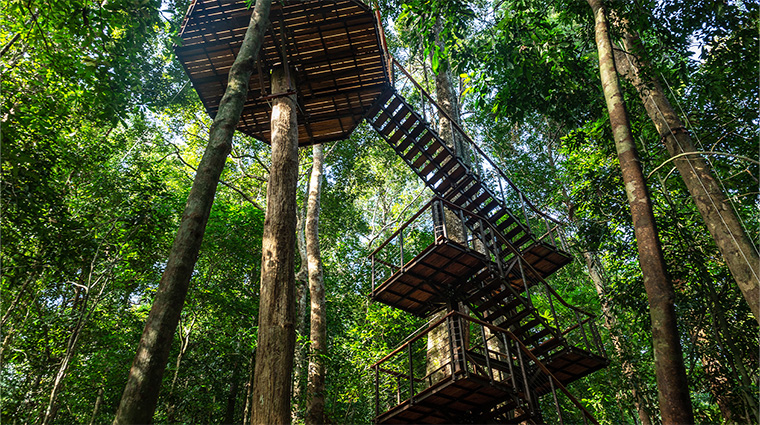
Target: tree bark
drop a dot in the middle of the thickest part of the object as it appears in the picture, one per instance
(315, 406)
(229, 415)
(448, 100)
(249, 389)
(722, 222)
(302, 282)
(595, 271)
(675, 403)
(276, 339)
(138, 402)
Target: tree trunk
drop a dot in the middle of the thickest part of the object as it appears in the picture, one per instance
(302, 281)
(229, 415)
(595, 271)
(138, 402)
(276, 339)
(731, 238)
(675, 403)
(95, 409)
(447, 99)
(315, 405)
(249, 389)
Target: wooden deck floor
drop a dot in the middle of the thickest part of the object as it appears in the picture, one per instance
(421, 287)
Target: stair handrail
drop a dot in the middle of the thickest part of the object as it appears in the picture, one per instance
(401, 228)
(415, 338)
(393, 62)
(535, 359)
(517, 253)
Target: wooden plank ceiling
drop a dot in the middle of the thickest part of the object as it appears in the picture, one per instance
(333, 47)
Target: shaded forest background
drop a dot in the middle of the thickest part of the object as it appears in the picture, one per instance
(101, 134)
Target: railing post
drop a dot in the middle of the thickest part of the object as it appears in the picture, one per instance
(466, 240)
(525, 211)
(486, 352)
(524, 279)
(551, 307)
(411, 375)
(597, 338)
(509, 361)
(401, 248)
(556, 402)
(583, 331)
(373, 273)
(398, 389)
(451, 345)
(377, 391)
(443, 219)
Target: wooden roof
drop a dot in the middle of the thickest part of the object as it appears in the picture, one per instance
(333, 46)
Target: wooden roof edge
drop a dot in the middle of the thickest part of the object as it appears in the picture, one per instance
(190, 9)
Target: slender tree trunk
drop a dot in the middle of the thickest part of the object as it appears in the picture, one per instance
(138, 402)
(315, 406)
(98, 400)
(184, 343)
(675, 403)
(302, 282)
(249, 389)
(731, 238)
(276, 340)
(595, 271)
(229, 415)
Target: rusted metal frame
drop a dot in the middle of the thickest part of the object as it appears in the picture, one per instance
(451, 344)
(524, 349)
(467, 137)
(415, 338)
(381, 32)
(187, 15)
(456, 326)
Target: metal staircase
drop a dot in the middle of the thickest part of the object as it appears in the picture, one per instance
(532, 343)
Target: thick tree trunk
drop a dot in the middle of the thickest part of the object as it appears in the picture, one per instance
(731, 238)
(315, 405)
(138, 402)
(277, 334)
(448, 100)
(675, 403)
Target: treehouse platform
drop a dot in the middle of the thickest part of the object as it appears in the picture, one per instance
(332, 48)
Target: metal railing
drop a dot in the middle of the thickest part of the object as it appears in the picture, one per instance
(542, 225)
(483, 350)
(428, 227)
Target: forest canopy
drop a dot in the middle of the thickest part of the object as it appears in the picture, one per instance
(102, 135)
